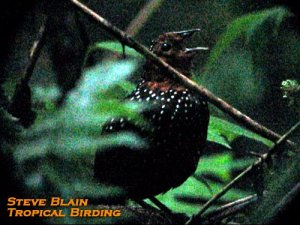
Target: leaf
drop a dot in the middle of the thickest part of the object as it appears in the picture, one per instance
(216, 137)
(100, 78)
(222, 166)
(230, 131)
(114, 47)
(246, 27)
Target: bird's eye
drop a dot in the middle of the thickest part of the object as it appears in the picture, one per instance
(166, 47)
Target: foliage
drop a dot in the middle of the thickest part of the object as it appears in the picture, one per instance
(224, 132)
(195, 191)
(56, 155)
(246, 27)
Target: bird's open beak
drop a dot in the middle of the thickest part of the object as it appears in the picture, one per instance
(188, 33)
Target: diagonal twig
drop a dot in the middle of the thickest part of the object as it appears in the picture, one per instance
(198, 217)
(215, 216)
(125, 39)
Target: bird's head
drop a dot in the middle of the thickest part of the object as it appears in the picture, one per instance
(171, 47)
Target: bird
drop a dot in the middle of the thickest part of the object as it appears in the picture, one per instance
(179, 119)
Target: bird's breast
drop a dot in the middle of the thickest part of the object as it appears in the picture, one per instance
(179, 118)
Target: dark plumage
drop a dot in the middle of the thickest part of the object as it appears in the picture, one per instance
(179, 120)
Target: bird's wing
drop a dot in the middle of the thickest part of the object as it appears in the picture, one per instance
(115, 164)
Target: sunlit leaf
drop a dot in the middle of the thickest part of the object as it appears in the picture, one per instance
(231, 131)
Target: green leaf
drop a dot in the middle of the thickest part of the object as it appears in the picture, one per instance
(216, 137)
(246, 27)
(220, 165)
(114, 47)
(230, 131)
(194, 189)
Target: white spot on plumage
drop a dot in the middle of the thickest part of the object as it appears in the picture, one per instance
(168, 100)
(163, 106)
(177, 106)
(150, 92)
(147, 99)
(153, 95)
(110, 127)
(162, 112)
(172, 96)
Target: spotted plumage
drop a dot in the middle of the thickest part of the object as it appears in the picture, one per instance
(179, 120)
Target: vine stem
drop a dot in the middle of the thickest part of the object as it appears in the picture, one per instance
(125, 39)
(35, 52)
(265, 157)
(142, 17)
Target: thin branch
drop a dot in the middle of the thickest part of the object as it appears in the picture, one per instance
(231, 208)
(137, 23)
(142, 17)
(181, 78)
(35, 53)
(265, 157)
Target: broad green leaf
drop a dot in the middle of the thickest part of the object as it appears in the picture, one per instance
(220, 165)
(192, 188)
(246, 26)
(231, 131)
(100, 78)
(216, 137)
